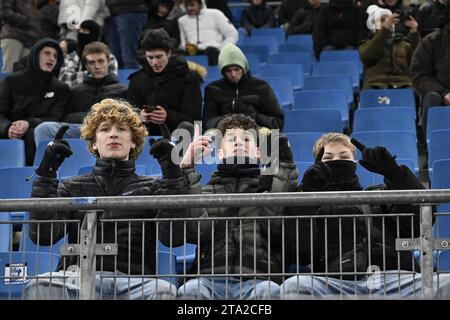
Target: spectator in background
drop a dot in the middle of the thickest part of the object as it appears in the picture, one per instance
(239, 92)
(387, 55)
(221, 5)
(33, 95)
(98, 84)
(258, 15)
(73, 71)
(165, 89)
(431, 18)
(158, 18)
(429, 69)
(304, 19)
(340, 25)
(205, 31)
(287, 10)
(48, 18)
(19, 31)
(73, 12)
(128, 19)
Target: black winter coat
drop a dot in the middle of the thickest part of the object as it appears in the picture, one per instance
(255, 17)
(92, 91)
(288, 8)
(109, 178)
(303, 21)
(176, 89)
(350, 239)
(223, 97)
(117, 7)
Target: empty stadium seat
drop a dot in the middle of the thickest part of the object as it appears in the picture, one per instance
(278, 33)
(5, 232)
(214, 73)
(205, 170)
(14, 266)
(342, 55)
(303, 58)
(236, 11)
(123, 75)
(300, 39)
(326, 83)
(167, 266)
(302, 145)
(294, 71)
(81, 157)
(438, 147)
(438, 119)
(295, 47)
(13, 153)
(261, 50)
(387, 97)
(441, 180)
(270, 41)
(254, 61)
(339, 68)
(316, 99)
(147, 160)
(200, 59)
(185, 255)
(403, 144)
(307, 120)
(302, 166)
(282, 86)
(384, 118)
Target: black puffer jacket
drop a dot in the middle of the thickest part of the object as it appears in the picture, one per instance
(109, 178)
(176, 89)
(223, 97)
(117, 7)
(346, 226)
(254, 244)
(19, 21)
(91, 91)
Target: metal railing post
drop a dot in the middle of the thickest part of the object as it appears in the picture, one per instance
(426, 247)
(87, 256)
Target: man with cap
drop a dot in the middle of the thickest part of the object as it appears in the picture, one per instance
(429, 69)
(239, 92)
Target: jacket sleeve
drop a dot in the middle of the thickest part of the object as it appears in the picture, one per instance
(182, 35)
(422, 69)
(5, 107)
(46, 233)
(8, 15)
(300, 24)
(90, 10)
(211, 109)
(134, 95)
(414, 40)
(272, 110)
(227, 30)
(372, 50)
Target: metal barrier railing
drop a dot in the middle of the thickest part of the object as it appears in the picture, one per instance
(92, 229)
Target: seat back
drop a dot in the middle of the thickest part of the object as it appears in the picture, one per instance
(13, 153)
(308, 120)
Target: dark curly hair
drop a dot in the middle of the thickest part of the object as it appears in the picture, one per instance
(236, 120)
(155, 39)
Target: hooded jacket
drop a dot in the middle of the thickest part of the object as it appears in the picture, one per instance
(210, 28)
(223, 97)
(387, 65)
(33, 95)
(261, 16)
(19, 21)
(176, 89)
(431, 18)
(246, 241)
(108, 178)
(430, 68)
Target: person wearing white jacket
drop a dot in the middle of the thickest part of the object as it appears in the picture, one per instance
(205, 31)
(73, 12)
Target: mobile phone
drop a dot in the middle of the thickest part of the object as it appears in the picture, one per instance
(149, 108)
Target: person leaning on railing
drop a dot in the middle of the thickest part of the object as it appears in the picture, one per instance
(115, 135)
(336, 239)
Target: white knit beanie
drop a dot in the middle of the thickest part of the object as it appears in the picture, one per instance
(375, 13)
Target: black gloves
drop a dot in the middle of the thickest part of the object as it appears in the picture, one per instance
(378, 160)
(161, 150)
(57, 150)
(317, 176)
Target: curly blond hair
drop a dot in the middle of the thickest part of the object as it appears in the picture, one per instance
(116, 111)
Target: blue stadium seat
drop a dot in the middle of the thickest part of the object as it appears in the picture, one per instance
(15, 186)
(254, 61)
(261, 50)
(294, 71)
(294, 48)
(147, 160)
(342, 55)
(123, 75)
(307, 120)
(282, 86)
(5, 232)
(438, 118)
(302, 166)
(184, 255)
(278, 33)
(205, 170)
(384, 118)
(316, 99)
(444, 261)
(302, 145)
(167, 266)
(441, 180)
(438, 148)
(403, 144)
(242, 34)
(13, 265)
(214, 73)
(236, 11)
(326, 83)
(271, 42)
(303, 58)
(13, 153)
(339, 68)
(3, 75)
(300, 39)
(200, 59)
(387, 97)
(81, 157)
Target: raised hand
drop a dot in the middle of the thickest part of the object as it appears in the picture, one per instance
(161, 150)
(197, 148)
(55, 154)
(317, 176)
